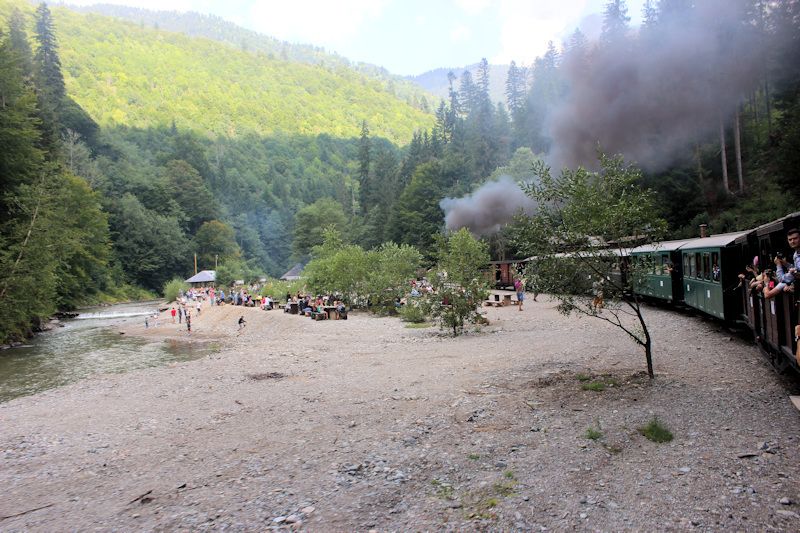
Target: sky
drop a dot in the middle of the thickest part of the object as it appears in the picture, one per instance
(408, 37)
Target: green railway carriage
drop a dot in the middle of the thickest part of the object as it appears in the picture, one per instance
(711, 266)
(660, 269)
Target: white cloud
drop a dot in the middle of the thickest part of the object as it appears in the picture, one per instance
(315, 21)
(472, 7)
(528, 25)
(460, 33)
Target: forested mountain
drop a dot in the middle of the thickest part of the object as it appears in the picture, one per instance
(437, 81)
(215, 28)
(126, 150)
(126, 75)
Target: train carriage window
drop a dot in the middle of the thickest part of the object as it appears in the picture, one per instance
(687, 270)
(706, 265)
(698, 265)
(665, 264)
(715, 267)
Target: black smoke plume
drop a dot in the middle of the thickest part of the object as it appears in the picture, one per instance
(648, 96)
(488, 208)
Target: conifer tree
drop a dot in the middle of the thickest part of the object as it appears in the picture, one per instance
(363, 168)
(49, 80)
(18, 40)
(615, 22)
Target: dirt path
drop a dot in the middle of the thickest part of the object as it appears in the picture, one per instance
(364, 424)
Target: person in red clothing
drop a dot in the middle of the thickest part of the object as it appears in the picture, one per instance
(173, 312)
(519, 287)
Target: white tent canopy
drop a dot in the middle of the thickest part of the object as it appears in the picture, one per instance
(204, 276)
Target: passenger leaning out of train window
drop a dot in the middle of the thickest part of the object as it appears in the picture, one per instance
(785, 270)
(748, 277)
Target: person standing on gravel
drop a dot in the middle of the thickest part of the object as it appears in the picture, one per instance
(520, 289)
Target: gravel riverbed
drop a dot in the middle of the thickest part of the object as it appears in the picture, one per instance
(365, 424)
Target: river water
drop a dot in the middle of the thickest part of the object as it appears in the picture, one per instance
(87, 345)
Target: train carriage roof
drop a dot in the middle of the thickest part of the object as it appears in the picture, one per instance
(715, 241)
(665, 246)
(783, 223)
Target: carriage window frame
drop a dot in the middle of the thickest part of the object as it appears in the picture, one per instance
(715, 261)
(664, 263)
(707, 266)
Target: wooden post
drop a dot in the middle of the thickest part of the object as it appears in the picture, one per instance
(195, 264)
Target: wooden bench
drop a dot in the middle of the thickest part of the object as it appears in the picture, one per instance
(493, 303)
(319, 316)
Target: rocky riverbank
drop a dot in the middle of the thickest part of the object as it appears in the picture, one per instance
(531, 423)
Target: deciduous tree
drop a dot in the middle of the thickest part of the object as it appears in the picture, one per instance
(578, 212)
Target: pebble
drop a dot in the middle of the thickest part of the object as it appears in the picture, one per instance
(307, 510)
(785, 501)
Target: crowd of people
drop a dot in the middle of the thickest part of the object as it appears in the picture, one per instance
(774, 281)
(309, 305)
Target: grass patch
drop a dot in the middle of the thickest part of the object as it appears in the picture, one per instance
(506, 487)
(656, 431)
(418, 325)
(490, 502)
(593, 434)
(508, 474)
(596, 386)
(583, 377)
(473, 456)
(443, 490)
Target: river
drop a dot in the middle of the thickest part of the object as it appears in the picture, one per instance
(87, 345)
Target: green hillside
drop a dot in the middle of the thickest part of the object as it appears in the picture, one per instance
(218, 29)
(124, 74)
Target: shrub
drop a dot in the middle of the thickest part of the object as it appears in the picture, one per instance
(173, 287)
(656, 431)
(593, 434)
(277, 289)
(413, 313)
(597, 386)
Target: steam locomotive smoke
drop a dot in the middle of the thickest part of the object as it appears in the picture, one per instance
(648, 98)
(485, 210)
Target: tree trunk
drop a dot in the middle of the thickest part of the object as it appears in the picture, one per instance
(738, 147)
(699, 160)
(724, 156)
(769, 114)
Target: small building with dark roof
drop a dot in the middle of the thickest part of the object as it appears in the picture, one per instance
(294, 273)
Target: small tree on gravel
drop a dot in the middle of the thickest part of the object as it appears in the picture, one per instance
(584, 223)
(460, 284)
